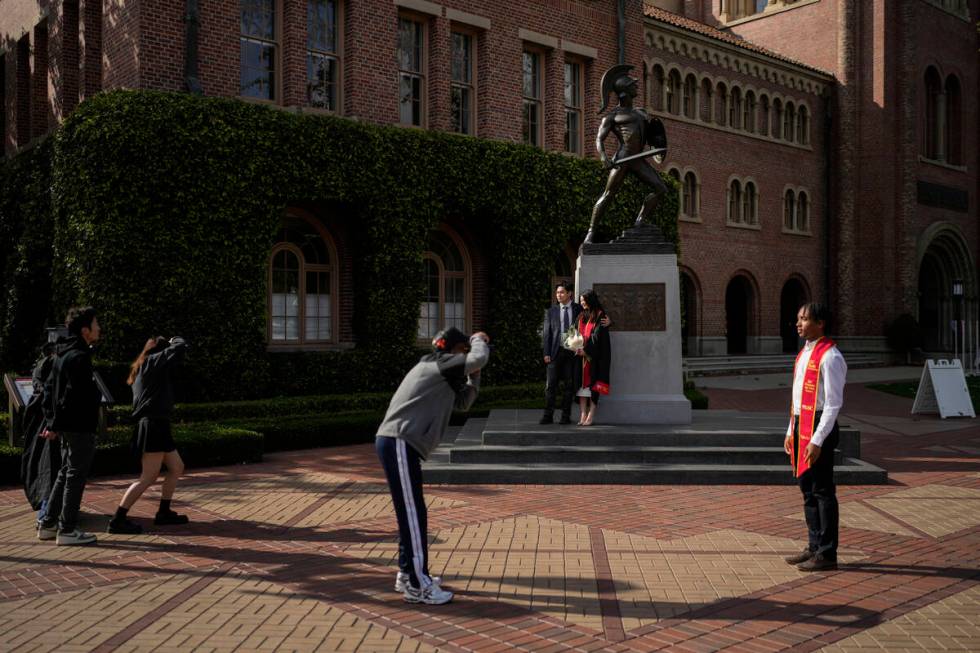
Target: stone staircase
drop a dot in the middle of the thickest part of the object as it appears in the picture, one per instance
(725, 365)
(720, 447)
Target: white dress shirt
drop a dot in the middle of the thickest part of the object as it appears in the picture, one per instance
(830, 391)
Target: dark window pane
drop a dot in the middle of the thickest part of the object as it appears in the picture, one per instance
(321, 25)
(462, 58)
(321, 81)
(530, 75)
(258, 18)
(409, 45)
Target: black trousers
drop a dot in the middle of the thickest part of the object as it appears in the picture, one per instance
(820, 495)
(65, 500)
(403, 469)
(561, 370)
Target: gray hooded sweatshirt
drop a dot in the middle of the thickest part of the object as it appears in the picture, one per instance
(420, 409)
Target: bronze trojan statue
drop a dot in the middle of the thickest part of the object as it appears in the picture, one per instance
(635, 131)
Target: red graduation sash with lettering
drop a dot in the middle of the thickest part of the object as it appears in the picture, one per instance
(808, 402)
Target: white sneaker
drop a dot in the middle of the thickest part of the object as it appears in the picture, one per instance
(75, 538)
(46, 533)
(401, 581)
(431, 595)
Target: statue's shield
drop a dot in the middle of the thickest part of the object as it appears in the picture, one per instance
(656, 135)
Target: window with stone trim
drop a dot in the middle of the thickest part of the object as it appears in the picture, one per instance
(676, 174)
(803, 126)
(302, 278)
(574, 81)
(931, 136)
(748, 116)
(412, 91)
(802, 212)
(750, 204)
(447, 283)
(259, 46)
(721, 104)
(323, 64)
(789, 210)
(690, 102)
(735, 202)
(707, 95)
(777, 119)
(735, 109)
(533, 91)
(673, 99)
(691, 196)
(462, 88)
(953, 136)
(789, 122)
(764, 115)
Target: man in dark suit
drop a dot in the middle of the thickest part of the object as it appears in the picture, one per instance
(563, 365)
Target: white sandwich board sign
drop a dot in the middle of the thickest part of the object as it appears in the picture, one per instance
(943, 390)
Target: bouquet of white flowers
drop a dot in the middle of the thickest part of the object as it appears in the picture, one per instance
(572, 340)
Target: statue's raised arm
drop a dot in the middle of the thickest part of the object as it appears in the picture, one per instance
(634, 131)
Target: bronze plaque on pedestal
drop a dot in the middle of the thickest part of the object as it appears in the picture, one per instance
(634, 306)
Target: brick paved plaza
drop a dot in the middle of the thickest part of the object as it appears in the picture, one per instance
(298, 554)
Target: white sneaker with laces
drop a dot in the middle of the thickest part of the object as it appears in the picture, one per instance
(75, 538)
(45, 533)
(431, 595)
(401, 581)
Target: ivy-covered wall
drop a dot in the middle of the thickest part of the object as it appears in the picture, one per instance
(166, 207)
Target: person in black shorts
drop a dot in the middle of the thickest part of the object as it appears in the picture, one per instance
(151, 376)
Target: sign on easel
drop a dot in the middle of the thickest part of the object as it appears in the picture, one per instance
(942, 389)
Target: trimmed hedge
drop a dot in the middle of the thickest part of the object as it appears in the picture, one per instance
(167, 205)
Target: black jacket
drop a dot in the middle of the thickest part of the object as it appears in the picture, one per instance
(42, 458)
(552, 333)
(153, 389)
(71, 397)
(598, 348)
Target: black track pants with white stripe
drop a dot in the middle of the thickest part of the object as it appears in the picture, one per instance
(403, 469)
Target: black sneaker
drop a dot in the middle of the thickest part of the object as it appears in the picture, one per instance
(124, 527)
(547, 418)
(170, 518)
(800, 557)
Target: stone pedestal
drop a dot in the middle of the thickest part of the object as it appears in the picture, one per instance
(636, 279)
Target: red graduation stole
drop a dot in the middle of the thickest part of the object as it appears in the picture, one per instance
(808, 402)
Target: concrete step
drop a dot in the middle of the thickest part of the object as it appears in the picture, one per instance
(719, 447)
(850, 472)
(628, 455)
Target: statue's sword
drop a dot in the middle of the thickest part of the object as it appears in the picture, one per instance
(642, 155)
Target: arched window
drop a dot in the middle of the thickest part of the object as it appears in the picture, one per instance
(690, 96)
(657, 89)
(735, 109)
(789, 120)
(748, 118)
(953, 132)
(764, 115)
(706, 96)
(676, 174)
(301, 282)
(802, 126)
(691, 195)
(803, 212)
(447, 274)
(789, 210)
(721, 104)
(777, 119)
(931, 133)
(674, 92)
(735, 201)
(749, 204)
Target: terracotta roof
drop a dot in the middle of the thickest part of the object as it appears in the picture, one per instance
(711, 32)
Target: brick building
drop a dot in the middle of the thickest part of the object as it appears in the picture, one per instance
(825, 148)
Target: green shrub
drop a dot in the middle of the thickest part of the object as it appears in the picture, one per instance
(699, 401)
(190, 192)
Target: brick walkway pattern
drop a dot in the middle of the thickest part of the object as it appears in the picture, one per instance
(298, 554)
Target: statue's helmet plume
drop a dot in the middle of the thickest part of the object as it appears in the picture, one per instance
(615, 80)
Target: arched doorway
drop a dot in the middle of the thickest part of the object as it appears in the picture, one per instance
(791, 298)
(738, 311)
(689, 304)
(944, 261)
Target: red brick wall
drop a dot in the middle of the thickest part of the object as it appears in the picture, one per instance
(121, 38)
(22, 121)
(90, 48)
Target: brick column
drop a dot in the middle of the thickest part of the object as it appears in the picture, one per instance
(370, 57)
(40, 104)
(90, 48)
(63, 59)
(439, 73)
(292, 39)
(22, 114)
(554, 99)
(844, 292)
(906, 299)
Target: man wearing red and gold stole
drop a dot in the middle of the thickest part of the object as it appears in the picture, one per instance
(818, 394)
